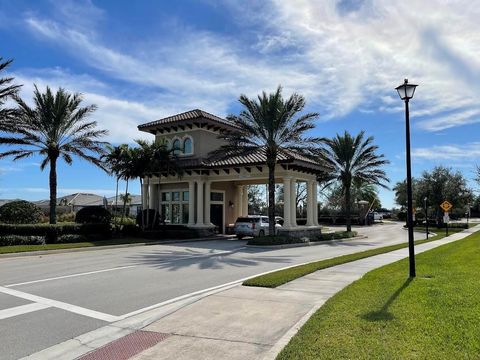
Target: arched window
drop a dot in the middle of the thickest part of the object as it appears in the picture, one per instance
(176, 146)
(188, 146)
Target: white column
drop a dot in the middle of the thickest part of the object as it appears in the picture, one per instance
(315, 203)
(245, 201)
(293, 203)
(208, 184)
(153, 200)
(144, 194)
(310, 210)
(200, 203)
(238, 202)
(286, 202)
(191, 203)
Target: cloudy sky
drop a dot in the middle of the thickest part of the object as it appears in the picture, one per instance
(140, 61)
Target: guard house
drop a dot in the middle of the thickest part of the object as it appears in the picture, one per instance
(212, 194)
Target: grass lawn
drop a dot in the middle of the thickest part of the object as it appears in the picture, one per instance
(386, 316)
(281, 277)
(23, 248)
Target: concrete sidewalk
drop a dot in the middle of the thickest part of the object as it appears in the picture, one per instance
(246, 322)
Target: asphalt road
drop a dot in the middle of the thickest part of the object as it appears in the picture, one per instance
(45, 300)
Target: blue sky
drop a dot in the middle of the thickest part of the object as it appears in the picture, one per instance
(140, 61)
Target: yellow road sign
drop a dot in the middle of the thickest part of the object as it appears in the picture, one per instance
(446, 205)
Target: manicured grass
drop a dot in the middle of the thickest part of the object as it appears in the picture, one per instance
(23, 248)
(386, 316)
(281, 277)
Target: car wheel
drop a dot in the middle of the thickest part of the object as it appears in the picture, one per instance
(261, 233)
(239, 237)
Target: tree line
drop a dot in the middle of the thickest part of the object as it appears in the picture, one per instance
(57, 128)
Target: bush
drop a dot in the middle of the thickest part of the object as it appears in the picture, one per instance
(20, 212)
(66, 217)
(402, 216)
(152, 214)
(336, 235)
(54, 233)
(93, 215)
(10, 240)
(131, 230)
(71, 238)
(274, 240)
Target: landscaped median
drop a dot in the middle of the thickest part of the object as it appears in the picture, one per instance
(386, 315)
(279, 240)
(281, 277)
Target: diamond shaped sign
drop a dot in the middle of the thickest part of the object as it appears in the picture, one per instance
(446, 206)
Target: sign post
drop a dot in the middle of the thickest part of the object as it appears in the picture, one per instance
(446, 206)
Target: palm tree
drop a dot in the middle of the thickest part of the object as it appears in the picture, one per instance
(351, 160)
(54, 128)
(270, 124)
(165, 160)
(114, 161)
(7, 91)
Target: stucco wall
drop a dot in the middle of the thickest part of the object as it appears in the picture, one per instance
(203, 141)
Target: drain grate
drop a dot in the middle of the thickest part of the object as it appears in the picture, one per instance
(126, 347)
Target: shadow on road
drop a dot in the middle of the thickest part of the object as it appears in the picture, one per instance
(213, 259)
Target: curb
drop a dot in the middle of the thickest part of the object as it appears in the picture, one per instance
(312, 243)
(105, 247)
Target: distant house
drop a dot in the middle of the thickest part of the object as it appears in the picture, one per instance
(133, 206)
(73, 202)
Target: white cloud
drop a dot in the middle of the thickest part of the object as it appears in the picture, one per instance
(448, 152)
(449, 121)
(341, 57)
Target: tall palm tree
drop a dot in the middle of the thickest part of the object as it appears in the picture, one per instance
(351, 160)
(54, 128)
(114, 161)
(7, 91)
(270, 124)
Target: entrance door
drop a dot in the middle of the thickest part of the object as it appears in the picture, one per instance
(216, 216)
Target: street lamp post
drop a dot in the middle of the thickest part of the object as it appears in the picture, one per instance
(406, 91)
(426, 216)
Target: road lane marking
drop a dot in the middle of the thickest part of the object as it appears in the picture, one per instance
(70, 276)
(20, 310)
(60, 305)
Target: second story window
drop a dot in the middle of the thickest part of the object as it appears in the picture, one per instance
(176, 147)
(187, 146)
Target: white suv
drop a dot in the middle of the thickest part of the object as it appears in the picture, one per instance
(252, 225)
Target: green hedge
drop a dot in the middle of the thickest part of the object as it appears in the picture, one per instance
(58, 232)
(9, 240)
(274, 240)
(20, 212)
(336, 235)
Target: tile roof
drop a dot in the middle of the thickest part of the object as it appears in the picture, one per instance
(188, 115)
(259, 157)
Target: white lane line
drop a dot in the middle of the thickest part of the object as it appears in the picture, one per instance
(70, 276)
(60, 305)
(20, 310)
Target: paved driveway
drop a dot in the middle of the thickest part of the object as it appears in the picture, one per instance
(48, 299)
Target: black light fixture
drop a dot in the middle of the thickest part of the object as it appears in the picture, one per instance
(406, 91)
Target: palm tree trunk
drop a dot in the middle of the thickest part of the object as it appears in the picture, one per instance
(271, 195)
(148, 203)
(159, 197)
(116, 206)
(124, 203)
(53, 190)
(348, 205)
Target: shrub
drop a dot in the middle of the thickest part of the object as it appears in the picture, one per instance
(151, 216)
(20, 212)
(402, 215)
(131, 230)
(66, 217)
(93, 215)
(71, 238)
(10, 240)
(54, 233)
(274, 240)
(336, 235)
